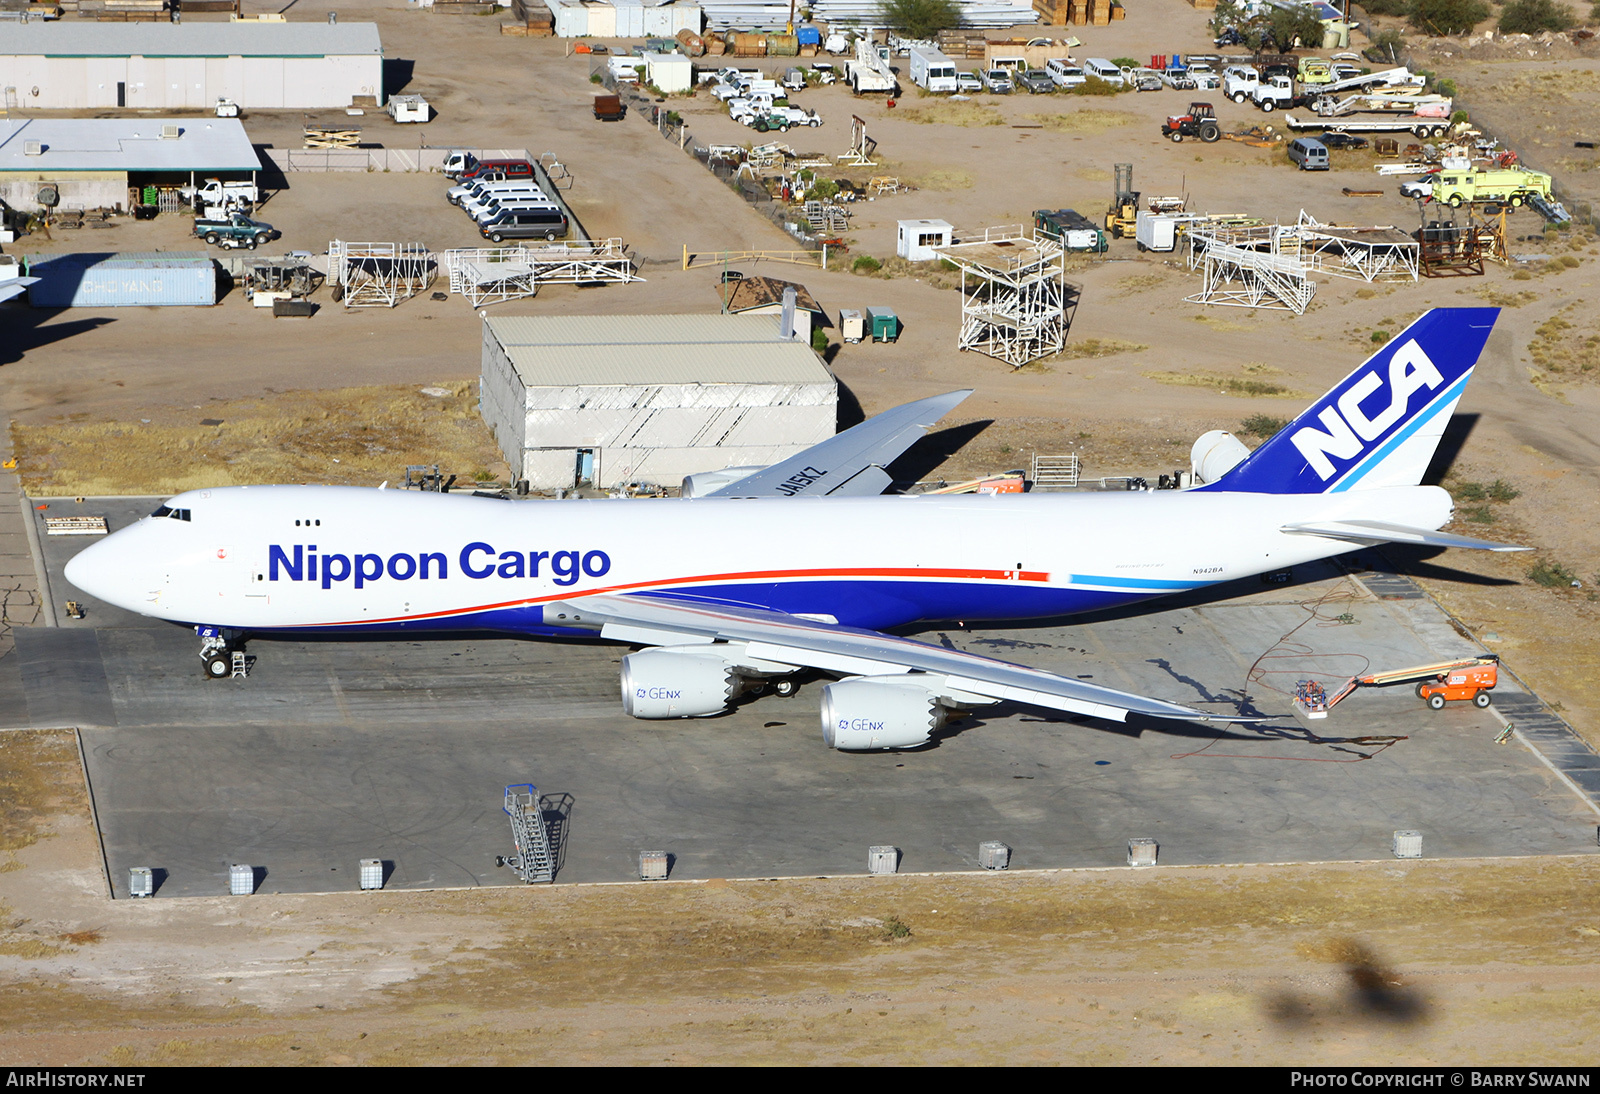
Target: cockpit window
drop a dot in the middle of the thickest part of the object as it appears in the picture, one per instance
(171, 514)
(162, 512)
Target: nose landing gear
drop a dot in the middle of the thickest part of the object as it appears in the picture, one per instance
(222, 653)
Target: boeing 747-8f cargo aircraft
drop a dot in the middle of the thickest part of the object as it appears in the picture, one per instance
(802, 566)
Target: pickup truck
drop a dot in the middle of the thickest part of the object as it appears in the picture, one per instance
(236, 231)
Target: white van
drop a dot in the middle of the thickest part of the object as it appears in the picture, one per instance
(1102, 69)
(932, 70)
(1065, 72)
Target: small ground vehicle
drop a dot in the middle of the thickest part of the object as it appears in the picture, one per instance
(1102, 69)
(1200, 121)
(1205, 77)
(1343, 140)
(458, 163)
(1308, 154)
(609, 108)
(227, 108)
(541, 222)
(1470, 679)
(237, 231)
(825, 73)
(1512, 185)
(794, 79)
(521, 201)
(968, 81)
(1036, 81)
(511, 169)
(996, 81)
(409, 108)
(1144, 79)
(1064, 72)
(1071, 229)
(1419, 188)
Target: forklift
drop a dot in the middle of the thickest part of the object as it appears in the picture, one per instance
(1122, 217)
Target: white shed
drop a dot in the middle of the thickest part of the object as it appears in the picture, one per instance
(669, 72)
(604, 400)
(917, 239)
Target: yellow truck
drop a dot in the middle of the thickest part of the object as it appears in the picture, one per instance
(1512, 185)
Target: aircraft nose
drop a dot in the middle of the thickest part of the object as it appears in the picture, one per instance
(95, 570)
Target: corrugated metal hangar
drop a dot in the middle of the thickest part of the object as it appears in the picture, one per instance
(90, 163)
(606, 400)
(168, 66)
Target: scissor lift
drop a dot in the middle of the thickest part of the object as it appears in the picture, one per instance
(1468, 679)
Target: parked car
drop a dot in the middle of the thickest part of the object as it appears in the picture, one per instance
(1205, 77)
(1343, 140)
(997, 81)
(1418, 188)
(1036, 81)
(1309, 154)
(527, 223)
(1064, 72)
(968, 81)
(237, 230)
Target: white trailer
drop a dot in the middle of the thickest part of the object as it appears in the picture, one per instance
(932, 70)
(1155, 231)
(410, 108)
(1422, 128)
(870, 70)
(1384, 102)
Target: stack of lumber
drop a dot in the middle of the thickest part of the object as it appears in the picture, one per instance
(533, 20)
(461, 7)
(967, 45)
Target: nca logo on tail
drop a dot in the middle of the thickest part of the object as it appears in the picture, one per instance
(1350, 428)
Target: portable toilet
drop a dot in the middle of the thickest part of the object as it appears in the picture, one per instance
(885, 324)
(916, 239)
(850, 325)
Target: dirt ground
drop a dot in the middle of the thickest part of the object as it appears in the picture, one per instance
(1399, 962)
(1492, 962)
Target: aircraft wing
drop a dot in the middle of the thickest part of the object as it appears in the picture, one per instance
(1373, 531)
(790, 640)
(849, 463)
(14, 287)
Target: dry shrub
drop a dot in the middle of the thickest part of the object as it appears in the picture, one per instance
(1084, 121)
(944, 112)
(359, 436)
(947, 179)
(1099, 347)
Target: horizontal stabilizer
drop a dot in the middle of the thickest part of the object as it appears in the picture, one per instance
(1373, 531)
(825, 467)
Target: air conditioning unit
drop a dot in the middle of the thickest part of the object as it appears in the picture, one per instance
(171, 132)
(33, 148)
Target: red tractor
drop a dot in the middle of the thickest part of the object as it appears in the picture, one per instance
(1201, 121)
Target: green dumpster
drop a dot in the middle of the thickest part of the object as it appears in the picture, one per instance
(885, 324)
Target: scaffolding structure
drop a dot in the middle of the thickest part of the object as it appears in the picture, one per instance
(1238, 277)
(1013, 294)
(491, 275)
(1362, 253)
(378, 275)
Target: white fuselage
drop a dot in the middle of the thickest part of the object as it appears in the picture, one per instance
(313, 557)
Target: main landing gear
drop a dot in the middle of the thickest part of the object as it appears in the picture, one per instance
(221, 651)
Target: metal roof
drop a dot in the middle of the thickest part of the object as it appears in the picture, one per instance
(123, 260)
(64, 39)
(126, 144)
(613, 350)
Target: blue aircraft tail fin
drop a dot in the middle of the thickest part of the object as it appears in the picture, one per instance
(1380, 425)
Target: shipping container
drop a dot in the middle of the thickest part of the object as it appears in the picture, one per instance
(134, 279)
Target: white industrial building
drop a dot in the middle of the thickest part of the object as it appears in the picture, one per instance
(174, 66)
(90, 163)
(605, 400)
